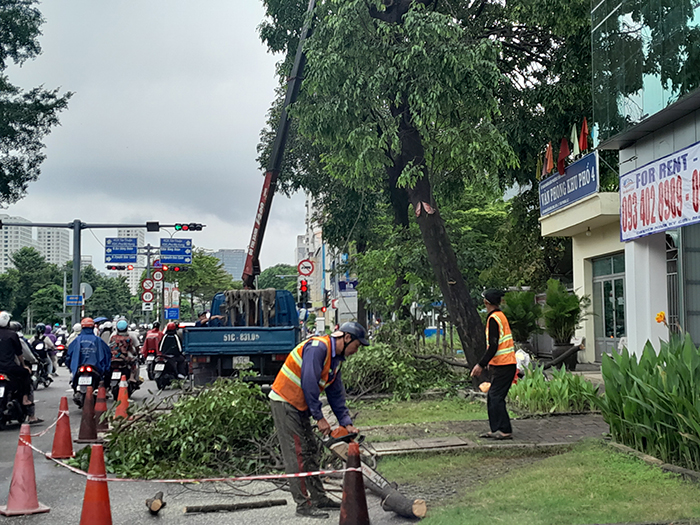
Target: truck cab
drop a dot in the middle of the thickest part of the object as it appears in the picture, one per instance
(259, 329)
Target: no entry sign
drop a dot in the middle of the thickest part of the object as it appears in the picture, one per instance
(305, 267)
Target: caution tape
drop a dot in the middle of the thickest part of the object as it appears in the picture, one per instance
(261, 477)
(45, 431)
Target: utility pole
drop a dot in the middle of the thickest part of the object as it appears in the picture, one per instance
(149, 250)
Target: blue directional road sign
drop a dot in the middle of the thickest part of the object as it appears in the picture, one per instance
(172, 313)
(121, 249)
(74, 300)
(176, 251)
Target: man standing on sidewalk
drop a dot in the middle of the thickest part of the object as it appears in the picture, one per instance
(311, 368)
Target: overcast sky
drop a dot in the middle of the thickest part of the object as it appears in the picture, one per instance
(170, 97)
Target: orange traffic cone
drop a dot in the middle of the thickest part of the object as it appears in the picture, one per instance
(122, 399)
(101, 408)
(23, 498)
(62, 441)
(96, 509)
(88, 429)
(353, 509)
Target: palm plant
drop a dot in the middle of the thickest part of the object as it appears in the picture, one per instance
(563, 312)
(523, 314)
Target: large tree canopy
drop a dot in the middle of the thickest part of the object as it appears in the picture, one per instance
(25, 116)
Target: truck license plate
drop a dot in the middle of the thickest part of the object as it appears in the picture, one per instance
(150, 358)
(35, 368)
(240, 360)
(85, 380)
(159, 367)
(116, 375)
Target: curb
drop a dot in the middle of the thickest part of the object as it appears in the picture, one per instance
(470, 448)
(688, 474)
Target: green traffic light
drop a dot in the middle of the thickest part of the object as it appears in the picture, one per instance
(178, 227)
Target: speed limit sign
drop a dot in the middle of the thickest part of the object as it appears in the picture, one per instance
(157, 275)
(147, 297)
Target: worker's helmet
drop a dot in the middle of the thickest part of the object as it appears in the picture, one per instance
(4, 319)
(171, 327)
(87, 322)
(122, 325)
(156, 324)
(40, 329)
(356, 330)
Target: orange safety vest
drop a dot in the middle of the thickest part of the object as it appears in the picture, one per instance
(505, 355)
(288, 381)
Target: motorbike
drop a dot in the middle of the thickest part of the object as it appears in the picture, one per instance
(40, 374)
(11, 407)
(164, 371)
(120, 367)
(150, 362)
(61, 354)
(87, 376)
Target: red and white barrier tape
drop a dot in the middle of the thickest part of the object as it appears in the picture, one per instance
(45, 431)
(262, 477)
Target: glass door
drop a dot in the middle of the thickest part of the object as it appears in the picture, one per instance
(608, 304)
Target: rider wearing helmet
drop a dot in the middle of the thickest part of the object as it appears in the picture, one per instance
(151, 343)
(125, 345)
(106, 334)
(171, 346)
(88, 349)
(312, 368)
(42, 346)
(10, 356)
(31, 359)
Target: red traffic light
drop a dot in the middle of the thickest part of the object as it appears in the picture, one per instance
(130, 267)
(323, 309)
(303, 285)
(164, 267)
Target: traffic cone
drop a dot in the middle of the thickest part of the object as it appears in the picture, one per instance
(23, 498)
(353, 509)
(88, 429)
(122, 399)
(62, 441)
(96, 509)
(101, 408)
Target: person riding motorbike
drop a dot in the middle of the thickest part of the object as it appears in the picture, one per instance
(30, 359)
(151, 343)
(75, 333)
(125, 346)
(106, 333)
(42, 346)
(10, 356)
(50, 333)
(88, 349)
(171, 346)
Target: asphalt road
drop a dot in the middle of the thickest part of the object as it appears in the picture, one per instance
(63, 490)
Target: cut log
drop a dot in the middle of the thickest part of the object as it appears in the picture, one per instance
(397, 502)
(227, 507)
(156, 503)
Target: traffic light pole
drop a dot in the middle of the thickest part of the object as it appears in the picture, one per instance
(77, 226)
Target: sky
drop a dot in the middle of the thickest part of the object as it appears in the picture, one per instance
(170, 98)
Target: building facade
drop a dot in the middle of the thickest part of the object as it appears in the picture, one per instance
(233, 262)
(133, 277)
(13, 239)
(54, 245)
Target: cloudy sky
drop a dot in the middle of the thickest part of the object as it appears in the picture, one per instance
(170, 97)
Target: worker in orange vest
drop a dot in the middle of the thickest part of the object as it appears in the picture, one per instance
(501, 362)
(312, 368)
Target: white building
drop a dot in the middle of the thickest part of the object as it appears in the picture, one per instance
(13, 239)
(54, 245)
(133, 277)
(233, 262)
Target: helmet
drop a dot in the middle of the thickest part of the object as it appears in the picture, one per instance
(107, 325)
(156, 324)
(171, 327)
(87, 322)
(122, 325)
(356, 330)
(132, 326)
(16, 326)
(56, 325)
(4, 319)
(77, 327)
(40, 328)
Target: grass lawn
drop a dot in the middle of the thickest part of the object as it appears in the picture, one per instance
(590, 484)
(391, 412)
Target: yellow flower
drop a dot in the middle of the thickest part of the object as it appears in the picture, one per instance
(661, 317)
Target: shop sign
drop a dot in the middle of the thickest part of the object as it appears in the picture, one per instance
(580, 180)
(661, 195)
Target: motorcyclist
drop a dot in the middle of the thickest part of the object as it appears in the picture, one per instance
(10, 355)
(75, 333)
(30, 359)
(125, 345)
(152, 341)
(50, 333)
(88, 349)
(42, 346)
(172, 347)
(106, 334)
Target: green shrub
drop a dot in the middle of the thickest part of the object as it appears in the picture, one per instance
(523, 313)
(381, 368)
(653, 404)
(563, 392)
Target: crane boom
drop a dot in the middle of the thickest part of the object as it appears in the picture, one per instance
(252, 263)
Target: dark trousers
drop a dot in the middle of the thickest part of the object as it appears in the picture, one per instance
(20, 378)
(501, 379)
(300, 451)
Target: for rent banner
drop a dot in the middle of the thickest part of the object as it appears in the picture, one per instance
(662, 195)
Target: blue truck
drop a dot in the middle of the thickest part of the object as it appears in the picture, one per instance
(259, 329)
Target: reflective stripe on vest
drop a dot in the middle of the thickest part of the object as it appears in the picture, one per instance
(288, 381)
(505, 354)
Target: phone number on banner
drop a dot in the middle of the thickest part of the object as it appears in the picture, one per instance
(662, 195)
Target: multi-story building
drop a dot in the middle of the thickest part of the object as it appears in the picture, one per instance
(85, 261)
(13, 239)
(133, 277)
(54, 245)
(233, 262)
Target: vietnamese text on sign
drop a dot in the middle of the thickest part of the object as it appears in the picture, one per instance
(580, 180)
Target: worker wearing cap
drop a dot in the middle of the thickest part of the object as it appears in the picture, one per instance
(312, 368)
(501, 362)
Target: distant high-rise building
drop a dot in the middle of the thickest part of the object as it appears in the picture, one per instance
(54, 245)
(85, 261)
(13, 239)
(133, 277)
(233, 262)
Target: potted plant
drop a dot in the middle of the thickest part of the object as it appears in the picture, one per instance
(523, 314)
(563, 312)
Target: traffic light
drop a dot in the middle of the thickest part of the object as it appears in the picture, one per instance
(187, 227)
(165, 267)
(326, 299)
(130, 267)
(179, 268)
(120, 267)
(303, 292)
(303, 286)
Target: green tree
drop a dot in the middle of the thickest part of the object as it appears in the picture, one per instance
(33, 273)
(269, 278)
(204, 278)
(46, 303)
(27, 116)
(8, 289)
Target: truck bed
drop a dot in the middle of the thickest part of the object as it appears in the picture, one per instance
(240, 340)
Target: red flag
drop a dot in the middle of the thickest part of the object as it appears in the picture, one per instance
(549, 159)
(583, 138)
(563, 153)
